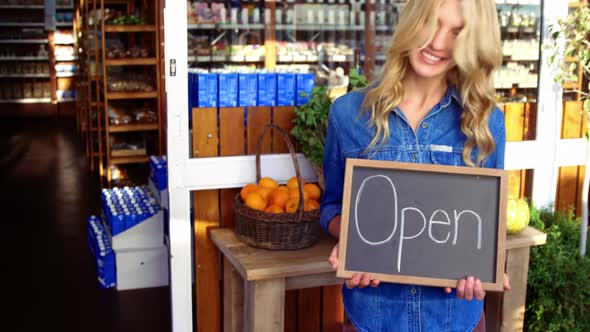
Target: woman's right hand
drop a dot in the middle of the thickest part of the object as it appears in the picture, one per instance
(358, 279)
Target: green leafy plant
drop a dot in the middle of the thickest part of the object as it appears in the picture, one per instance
(575, 30)
(558, 291)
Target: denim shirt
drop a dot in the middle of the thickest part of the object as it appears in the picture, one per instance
(437, 140)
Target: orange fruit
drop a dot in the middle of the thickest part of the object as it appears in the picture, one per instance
(249, 188)
(267, 182)
(255, 201)
(294, 193)
(292, 183)
(283, 188)
(292, 205)
(279, 197)
(313, 191)
(264, 192)
(311, 205)
(274, 209)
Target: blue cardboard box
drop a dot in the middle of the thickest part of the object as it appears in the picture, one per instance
(228, 90)
(208, 90)
(267, 89)
(286, 84)
(248, 89)
(305, 83)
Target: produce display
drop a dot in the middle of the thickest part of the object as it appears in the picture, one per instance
(269, 196)
(124, 114)
(130, 82)
(119, 51)
(518, 216)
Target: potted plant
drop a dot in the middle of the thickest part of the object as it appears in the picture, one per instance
(311, 123)
(575, 30)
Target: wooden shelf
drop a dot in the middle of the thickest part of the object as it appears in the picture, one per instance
(22, 7)
(24, 41)
(130, 160)
(26, 58)
(22, 24)
(25, 75)
(129, 28)
(131, 62)
(132, 95)
(133, 127)
(26, 101)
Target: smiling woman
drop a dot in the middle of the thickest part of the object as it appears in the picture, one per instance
(435, 91)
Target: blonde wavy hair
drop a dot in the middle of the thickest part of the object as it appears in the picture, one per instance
(477, 53)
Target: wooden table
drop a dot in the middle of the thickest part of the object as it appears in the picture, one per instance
(255, 281)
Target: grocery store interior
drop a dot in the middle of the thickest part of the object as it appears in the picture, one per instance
(84, 140)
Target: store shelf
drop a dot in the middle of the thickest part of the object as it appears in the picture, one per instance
(129, 28)
(319, 27)
(313, 58)
(133, 127)
(24, 41)
(26, 101)
(64, 43)
(222, 58)
(225, 26)
(129, 160)
(26, 58)
(64, 24)
(22, 24)
(24, 75)
(22, 7)
(66, 100)
(132, 95)
(66, 58)
(131, 62)
(71, 7)
(63, 75)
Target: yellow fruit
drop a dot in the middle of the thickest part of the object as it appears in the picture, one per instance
(313, 191)
(292, 183)
(264, 192)
(311, 205)
(249, 188)
(292, 205)
(255, 201)
(274, 209)
(279, 197)
(518, 215)
(267, 182)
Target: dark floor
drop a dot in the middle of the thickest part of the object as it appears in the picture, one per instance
(47, 192)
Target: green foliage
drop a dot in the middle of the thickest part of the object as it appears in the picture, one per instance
(558, 293)
(575, 29)
(311, 120)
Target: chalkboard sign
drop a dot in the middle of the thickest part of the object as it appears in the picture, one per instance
(423, 224)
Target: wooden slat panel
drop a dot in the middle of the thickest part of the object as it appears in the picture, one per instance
(232, 143)
(332, 309)
(530, 121)
(291, 311)
(514, 115)
(206, 214)
(572, 120)
(205, 139)
(258, 117)
(309, 310)
(578, 202)
(283, 117)
(514, 183)
(567, 193)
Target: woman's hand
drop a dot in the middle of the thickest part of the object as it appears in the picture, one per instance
(358, 279)
(471, 287)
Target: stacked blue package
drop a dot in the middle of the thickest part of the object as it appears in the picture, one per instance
(267, 89)
(247, 89)
(127, 207)
(228, 90)
(101, 248)
(159, 171)
(192, 94)
(286, 89)
(305, 83)
(207, 87)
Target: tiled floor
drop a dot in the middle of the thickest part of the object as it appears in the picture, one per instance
(46, 194)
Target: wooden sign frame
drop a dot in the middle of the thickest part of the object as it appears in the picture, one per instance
(501, 175)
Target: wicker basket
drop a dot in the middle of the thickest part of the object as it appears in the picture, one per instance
(277, 231)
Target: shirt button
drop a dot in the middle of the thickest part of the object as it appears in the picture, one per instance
(424, 125)
(413, 291)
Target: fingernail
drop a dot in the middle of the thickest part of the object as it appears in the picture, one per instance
(470, 280)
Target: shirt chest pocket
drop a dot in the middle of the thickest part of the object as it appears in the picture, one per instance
(385, 154)
(452, 158)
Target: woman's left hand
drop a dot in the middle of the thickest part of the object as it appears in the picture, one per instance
(471, 287)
